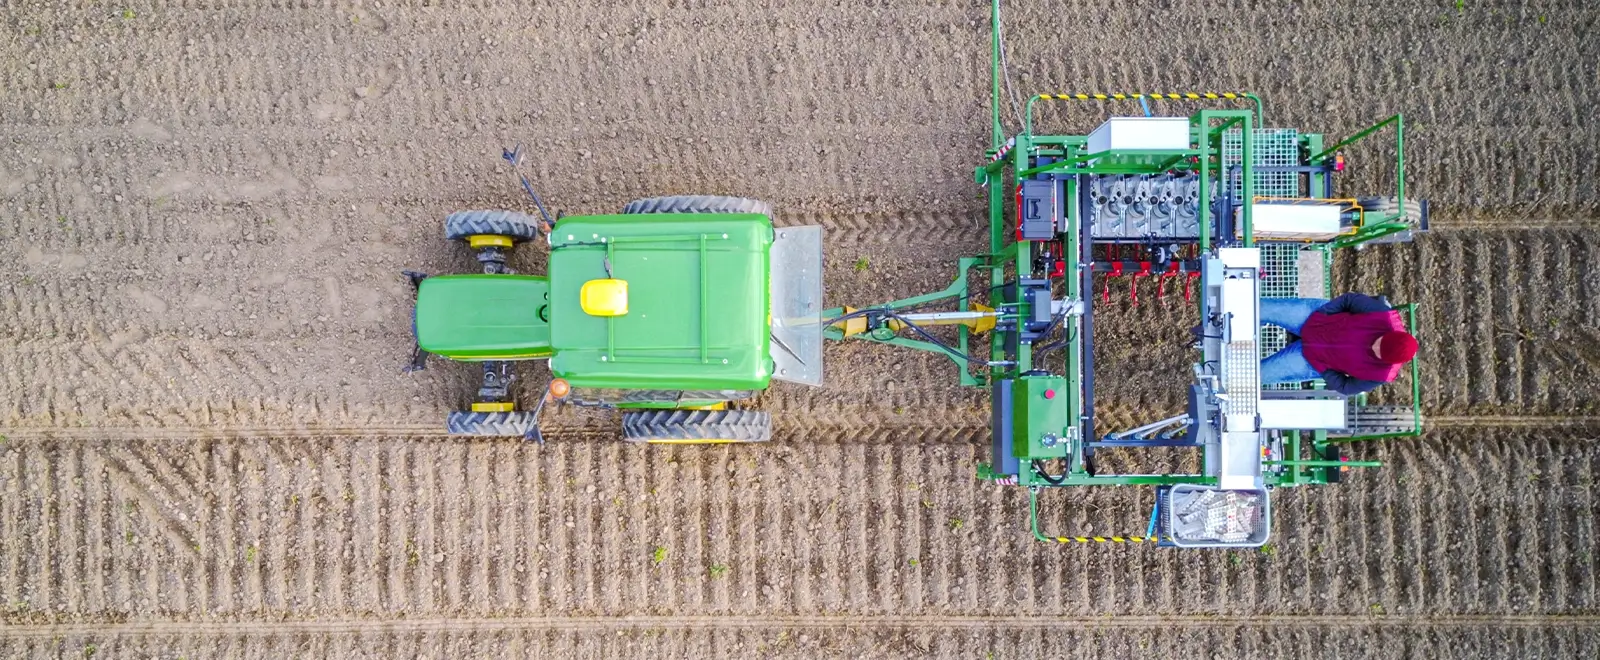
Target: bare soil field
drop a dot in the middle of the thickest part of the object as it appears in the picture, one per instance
(209, 449)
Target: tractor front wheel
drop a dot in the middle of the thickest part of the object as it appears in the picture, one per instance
(698, 204)
(696, 426)
(508, 227)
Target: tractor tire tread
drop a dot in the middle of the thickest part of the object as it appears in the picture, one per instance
(462, 224)
(1385, 206)
(465, 422)
(698, 204)
(735, 425)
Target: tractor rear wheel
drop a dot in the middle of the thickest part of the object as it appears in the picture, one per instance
(698, 204)
(696, 426)
(1382, 207)
(1414, 214)
(463, 225)
(1373, 420)
(518, 423)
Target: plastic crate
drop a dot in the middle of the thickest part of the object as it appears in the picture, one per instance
(1174, 522)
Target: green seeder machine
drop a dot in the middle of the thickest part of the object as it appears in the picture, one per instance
(678, 310)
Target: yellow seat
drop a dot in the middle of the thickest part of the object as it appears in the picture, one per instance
(607, 297)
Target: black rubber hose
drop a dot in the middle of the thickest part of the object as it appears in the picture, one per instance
(1038, 468)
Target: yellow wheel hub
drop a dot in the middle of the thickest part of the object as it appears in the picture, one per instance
(720, 405)
(489, 240)
(494, 406)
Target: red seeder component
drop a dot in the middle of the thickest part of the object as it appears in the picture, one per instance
(1116, 271)
(1144, 271)
(1161, 282)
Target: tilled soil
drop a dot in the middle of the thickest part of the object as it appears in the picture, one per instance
(209, 449)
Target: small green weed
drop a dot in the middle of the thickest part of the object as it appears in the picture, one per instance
(250, 554)
(718, 570)
(660, 555)
(129, 14)
(862, 265)
(956, 523)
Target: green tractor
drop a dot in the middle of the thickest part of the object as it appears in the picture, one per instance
(672, 311)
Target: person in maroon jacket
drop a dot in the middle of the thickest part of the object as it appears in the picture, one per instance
(1354, 343)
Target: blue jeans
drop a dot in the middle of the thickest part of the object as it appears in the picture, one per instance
(1288, 365)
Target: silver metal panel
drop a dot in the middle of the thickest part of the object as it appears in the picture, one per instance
(1304, 414)
(796, 345)
(1285, 221)
(1140, 133)
(1312, 275)
(1240, 257)
(1239, 303)
(1241, 461)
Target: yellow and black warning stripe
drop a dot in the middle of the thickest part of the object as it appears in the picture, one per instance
(1123, 97)
(1107, 539)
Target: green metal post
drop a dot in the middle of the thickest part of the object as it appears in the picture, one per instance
(1247, 166)
(1292, 450)
(1400, 162)
(1070, 327)
(1315, 188)
(998, 132)
(1033, 515)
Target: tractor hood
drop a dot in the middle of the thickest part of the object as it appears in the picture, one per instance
(694, 306)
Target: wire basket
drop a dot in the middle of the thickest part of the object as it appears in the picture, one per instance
(1207, 517)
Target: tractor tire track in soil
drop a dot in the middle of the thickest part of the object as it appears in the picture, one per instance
(1367, 636)
(247, 528)
(954, 429)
